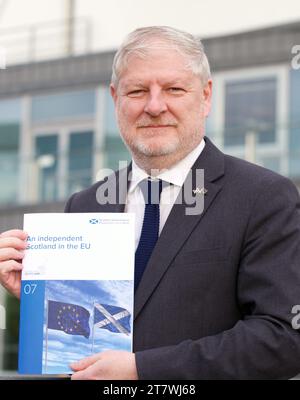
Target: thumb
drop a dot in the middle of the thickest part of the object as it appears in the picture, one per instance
(85, 362)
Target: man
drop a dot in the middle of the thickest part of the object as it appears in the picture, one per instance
(215, 299)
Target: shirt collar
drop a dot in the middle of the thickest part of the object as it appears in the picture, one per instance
(176, 175)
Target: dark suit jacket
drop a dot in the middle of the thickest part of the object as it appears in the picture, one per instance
(216, 297)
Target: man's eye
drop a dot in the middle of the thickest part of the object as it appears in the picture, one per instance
(175, 90)
(136, 93)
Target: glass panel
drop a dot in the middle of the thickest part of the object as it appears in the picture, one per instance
(63, 105)
(46, 166)
(115, 151)
(295, 124)
(272, 163)
(111, 126)
(114, 148)
(10, 115)
(10, 110)
(209, 126)
(9, 136)
(250, 106)
(9, 171)
(80, 161)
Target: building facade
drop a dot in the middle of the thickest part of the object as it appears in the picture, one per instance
(58, 130)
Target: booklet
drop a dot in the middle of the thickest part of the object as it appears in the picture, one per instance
(77, 289)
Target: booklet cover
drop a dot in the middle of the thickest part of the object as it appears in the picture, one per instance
(77, 289)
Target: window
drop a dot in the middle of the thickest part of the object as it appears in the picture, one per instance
(46, 166)
(295, 124)
(80, 161)
(63, 105)
(114, 148)
(272, 163)
(250, 105)
(10, 116)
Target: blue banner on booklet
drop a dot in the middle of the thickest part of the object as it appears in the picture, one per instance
(77, 290)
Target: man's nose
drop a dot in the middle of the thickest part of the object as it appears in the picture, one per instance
(155, 104)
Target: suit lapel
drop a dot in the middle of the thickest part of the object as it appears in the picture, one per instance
(179, 226)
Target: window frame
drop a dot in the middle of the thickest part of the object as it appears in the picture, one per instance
(264, 150)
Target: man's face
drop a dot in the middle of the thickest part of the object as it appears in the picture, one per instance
(161, 105)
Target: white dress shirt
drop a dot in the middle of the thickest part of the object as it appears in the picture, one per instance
(176, 176)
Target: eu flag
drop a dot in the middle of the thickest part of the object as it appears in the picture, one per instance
(113, 318)
(69, 318)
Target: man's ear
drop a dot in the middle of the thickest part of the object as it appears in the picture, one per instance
(207, 96)
(113, 92)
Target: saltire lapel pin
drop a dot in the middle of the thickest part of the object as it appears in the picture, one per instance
(200, 190)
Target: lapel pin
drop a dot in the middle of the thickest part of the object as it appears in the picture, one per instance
(200, 190)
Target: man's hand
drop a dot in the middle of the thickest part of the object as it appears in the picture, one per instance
(12, 246)
(109, 365)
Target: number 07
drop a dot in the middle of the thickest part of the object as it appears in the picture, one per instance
(30, 288)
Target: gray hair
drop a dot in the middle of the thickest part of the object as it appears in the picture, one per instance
(141, 40)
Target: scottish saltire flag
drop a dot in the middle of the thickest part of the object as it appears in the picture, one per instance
(69, 318)
(112, 318)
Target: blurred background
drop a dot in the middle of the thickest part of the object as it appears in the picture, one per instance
(57, 124)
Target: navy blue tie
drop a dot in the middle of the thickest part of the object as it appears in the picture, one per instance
(151, 190)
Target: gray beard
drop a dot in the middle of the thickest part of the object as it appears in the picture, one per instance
(144, 150)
